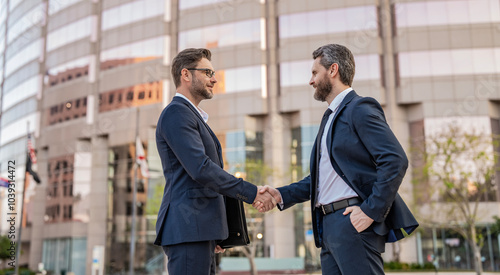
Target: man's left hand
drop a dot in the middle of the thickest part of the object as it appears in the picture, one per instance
(219, 249)
(359, 219)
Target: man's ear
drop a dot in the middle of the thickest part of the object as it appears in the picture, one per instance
(185, 75)
(334, 68)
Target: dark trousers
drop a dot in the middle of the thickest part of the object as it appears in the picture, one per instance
(344, 251)
(191, 258)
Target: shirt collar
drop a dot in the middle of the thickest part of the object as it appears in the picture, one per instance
(202, 113)
(338, 99)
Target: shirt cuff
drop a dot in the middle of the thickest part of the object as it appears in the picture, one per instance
(281, 204)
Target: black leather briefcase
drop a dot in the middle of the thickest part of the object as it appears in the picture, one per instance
(237, 224)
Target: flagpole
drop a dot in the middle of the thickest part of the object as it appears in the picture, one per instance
(18, 245)
(134, 199)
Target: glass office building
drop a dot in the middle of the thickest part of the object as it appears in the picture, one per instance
(80, 73)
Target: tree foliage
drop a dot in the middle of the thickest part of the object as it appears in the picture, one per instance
(258, 173)
(460, 167)
(4, 246)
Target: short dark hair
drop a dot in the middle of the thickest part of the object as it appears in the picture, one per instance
(187, 58)
(334, 53)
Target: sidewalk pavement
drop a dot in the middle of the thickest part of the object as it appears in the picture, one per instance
(428, 273)
(399, 273)
(441, 273)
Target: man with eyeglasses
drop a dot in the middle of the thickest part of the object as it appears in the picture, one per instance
(192, 216)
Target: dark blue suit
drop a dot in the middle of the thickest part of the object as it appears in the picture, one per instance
(192, 209)
(365, 153)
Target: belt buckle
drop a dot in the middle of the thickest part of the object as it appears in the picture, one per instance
(323, 210)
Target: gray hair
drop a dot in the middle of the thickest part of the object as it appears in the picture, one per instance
(334, 53)
(187, 58)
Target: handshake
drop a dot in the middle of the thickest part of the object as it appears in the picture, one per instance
(267, 198)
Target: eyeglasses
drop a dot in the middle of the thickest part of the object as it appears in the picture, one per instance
(208, 72)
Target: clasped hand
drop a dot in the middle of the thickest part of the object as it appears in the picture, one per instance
(267, 198)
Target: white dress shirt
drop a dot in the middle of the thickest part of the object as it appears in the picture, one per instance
(331, 187)
(203, 114)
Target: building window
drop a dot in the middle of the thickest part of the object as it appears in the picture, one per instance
(230, 34)
(67, 212)
(64, 188)
(141, 95)
(140, 186)
(448, 62)
(353, 19)
(129, 209)
(140, 209)
(129, 185)
(439, 13)
(130, 96)
(65, 167)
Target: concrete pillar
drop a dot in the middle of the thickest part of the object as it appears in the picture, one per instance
(277, 140)
(98, 206)
(279, 224)
(38, 211)
(396, 114)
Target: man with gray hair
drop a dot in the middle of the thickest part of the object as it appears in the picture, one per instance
(356, 168)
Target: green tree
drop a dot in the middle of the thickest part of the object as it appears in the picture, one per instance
(256, 172)
(4, 246)
(153, 203)
(459, 167)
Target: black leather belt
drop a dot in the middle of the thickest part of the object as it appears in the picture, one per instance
(332, 207)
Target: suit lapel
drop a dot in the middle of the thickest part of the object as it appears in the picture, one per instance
(217, 145)
(329, 143)
(342, 106)
(214, 137)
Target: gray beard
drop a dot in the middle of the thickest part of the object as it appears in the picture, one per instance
(198, 90)
(323, 90)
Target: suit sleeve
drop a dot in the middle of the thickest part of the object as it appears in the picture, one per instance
(179, 127)
(296, 192)
(386, 152)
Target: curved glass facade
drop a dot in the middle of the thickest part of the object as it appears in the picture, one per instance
(223, 35)
(72, 32)
(29, 19)
(475, 61)
(83, 75)
(189, 4)
(438, 13)
(328, 21)
(131, 12)
(135, 52)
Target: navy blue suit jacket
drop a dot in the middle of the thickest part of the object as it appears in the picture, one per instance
(192, 208)
(366, 154)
